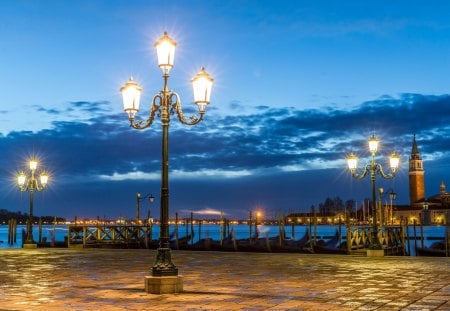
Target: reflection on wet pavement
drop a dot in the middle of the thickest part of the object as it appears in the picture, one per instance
(104, 279)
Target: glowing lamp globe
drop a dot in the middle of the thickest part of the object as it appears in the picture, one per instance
(33, 164)
(394, 161)
(21, 179)
(352, 162)
(44, 179)
(131, 95)
(373, 144)
(165, 49)
(202, 84)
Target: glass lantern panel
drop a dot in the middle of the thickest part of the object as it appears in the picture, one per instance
(373, 144)
(394, 161)
(44, 179)
(202, 85)
(165, 49)
(21, 179)
(352, 162)
(131, 95)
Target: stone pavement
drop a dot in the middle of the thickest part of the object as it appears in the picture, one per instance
(106, 279)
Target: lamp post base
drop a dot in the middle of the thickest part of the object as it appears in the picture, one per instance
(375, 253)
(163, 284)
(29, 245)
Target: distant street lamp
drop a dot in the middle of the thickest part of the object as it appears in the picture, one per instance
(139, 198)
(31, 184)
(164, 104)
(392, 197)
(373, 168)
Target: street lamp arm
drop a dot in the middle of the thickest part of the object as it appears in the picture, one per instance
(23, 188)
(156, 107)
(32, 185)
(38, 187)
(147, 196)
(363, 174)
(177, 106)
(379, 168)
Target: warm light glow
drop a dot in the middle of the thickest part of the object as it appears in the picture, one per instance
(352, 162)
(373, 144)
(44, 179)
(21, 179)
(165, 48)
(131, 94)
(33, 164)
(394, 161)
(202, 85)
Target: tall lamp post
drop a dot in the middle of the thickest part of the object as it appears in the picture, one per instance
(31, 184)
(373, 168)
(139, 198)
(164, 104)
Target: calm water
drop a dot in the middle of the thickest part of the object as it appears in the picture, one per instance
(57, 233)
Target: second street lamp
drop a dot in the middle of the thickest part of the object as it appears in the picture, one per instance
(164, 104)
(139, 198)
(392, 197)
(373, 168)
(31, 184)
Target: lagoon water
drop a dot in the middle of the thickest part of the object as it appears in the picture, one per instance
(58, 232)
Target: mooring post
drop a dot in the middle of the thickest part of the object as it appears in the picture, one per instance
(348, 232)
(9, 231)
(221, 228)
(40, 230)
(250, 227)
(176, 230)
(192, 228)
(415, 240)
(421, 230)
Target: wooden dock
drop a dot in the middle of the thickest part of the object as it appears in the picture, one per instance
(119, 236)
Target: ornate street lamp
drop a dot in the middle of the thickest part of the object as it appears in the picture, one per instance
(373, 168)
(139, 198)
(164, 104)
(31, 184)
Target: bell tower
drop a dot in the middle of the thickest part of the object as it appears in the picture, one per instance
(416, 176)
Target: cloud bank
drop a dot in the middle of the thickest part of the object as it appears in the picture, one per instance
(228, 162)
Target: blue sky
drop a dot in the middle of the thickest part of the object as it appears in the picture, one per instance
(298, 86)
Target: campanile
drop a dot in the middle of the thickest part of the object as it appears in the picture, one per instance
(416, 176)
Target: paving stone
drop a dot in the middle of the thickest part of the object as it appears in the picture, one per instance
(105, 279)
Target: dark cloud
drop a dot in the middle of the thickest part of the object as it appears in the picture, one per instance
(268, 144)
(93, 107)
(97, 107)
(49, 111)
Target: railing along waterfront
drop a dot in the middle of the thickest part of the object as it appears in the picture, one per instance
(188, 236)
(110, 235)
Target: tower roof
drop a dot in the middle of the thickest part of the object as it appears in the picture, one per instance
(415, 154)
